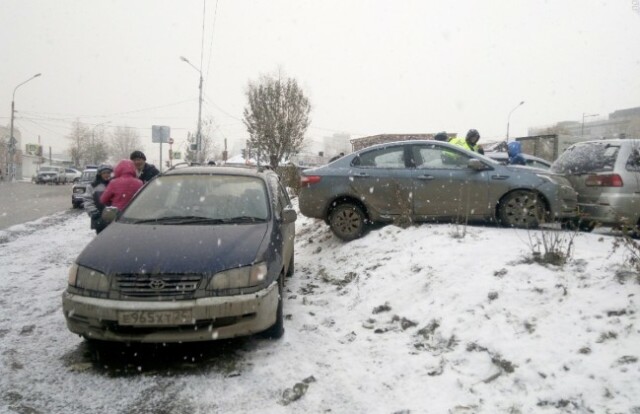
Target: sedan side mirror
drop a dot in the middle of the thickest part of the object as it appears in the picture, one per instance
(476, 164)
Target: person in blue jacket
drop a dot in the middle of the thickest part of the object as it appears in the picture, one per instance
(514, 150)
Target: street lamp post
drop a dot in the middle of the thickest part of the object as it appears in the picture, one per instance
(509, 118)
(583, 117)
(12, 141)
(199, 132)
(93, 142)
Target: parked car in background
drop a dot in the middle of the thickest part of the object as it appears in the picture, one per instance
(430, 181)
(49, 174)
(71, 175)
(80, 186)
(202, 254)
(531, 160)
(606, 175)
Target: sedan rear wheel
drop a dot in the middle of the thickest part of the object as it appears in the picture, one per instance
(522, 209)
(347, 221)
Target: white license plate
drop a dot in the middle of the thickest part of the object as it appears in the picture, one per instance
(155, 318)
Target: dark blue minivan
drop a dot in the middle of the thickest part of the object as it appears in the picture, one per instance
(199, 254)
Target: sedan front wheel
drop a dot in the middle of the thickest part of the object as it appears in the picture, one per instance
(522, 209)
(347, 221)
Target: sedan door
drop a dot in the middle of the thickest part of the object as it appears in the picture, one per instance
(445, 186)
(382, 180)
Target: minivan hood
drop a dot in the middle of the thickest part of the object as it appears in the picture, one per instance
(178, 249)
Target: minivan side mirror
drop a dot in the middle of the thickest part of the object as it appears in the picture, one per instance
(109, 214)
(289, 215)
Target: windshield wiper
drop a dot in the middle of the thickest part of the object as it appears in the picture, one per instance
(198, 220)
(179, 220)
(243, 219)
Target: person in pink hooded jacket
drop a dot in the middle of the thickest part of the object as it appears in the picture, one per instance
(122, 187)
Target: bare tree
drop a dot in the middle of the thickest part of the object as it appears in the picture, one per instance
(79, 147)
(276, 118)
(124, 140)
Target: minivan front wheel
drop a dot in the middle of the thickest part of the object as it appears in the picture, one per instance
(522, 209)
(347, 221)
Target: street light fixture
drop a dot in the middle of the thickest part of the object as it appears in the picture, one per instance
(509, 118)
(583, 117)
(12, 141)
(199, 133)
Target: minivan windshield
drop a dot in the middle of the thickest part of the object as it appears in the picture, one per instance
(587, 158)
(200, 199)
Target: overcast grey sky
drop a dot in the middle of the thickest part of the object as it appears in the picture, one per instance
(369, 67)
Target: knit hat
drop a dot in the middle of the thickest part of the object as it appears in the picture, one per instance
(137, 154)
(104, 167)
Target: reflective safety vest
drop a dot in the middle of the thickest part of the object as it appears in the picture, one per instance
(461, 142)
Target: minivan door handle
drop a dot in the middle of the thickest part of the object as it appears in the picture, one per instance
(361, 174)
(425, 177)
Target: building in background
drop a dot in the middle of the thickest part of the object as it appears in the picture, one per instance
(28, 156)
(618, 124)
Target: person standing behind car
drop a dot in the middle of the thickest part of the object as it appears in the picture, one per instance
(514, 150)
(92, 203)
(144, 171)
(122, 187)
(441, 136)
(470, 142)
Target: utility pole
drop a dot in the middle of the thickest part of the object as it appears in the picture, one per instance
(12, 141)
(199, 131)
(583, 117)
(509, 118)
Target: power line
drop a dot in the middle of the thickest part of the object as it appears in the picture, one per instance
(71, 116)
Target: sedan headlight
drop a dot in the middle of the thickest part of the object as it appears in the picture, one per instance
(241, 277)
(85, 278)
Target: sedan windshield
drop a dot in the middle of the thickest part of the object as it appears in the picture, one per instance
(200, 199)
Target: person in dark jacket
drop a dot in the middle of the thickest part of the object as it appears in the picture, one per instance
(514, 149)
(92, 204)
(122, 187)
(144, 170)
(441, 136)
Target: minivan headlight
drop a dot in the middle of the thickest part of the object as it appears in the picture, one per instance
(241, 277)
(85, 278)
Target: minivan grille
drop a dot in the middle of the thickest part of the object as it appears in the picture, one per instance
(138, 285)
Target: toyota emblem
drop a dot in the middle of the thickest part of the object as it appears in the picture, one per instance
(157, 284)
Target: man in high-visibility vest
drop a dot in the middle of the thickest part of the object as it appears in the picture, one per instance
(470, 142)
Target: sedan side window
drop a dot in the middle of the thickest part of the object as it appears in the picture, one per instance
(437, 157)
(391, 157)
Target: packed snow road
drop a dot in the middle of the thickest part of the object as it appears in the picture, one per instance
(420, 320)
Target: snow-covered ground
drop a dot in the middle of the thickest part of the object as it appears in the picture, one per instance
(416, 320)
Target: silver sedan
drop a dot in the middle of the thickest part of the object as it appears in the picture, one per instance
(430, 181)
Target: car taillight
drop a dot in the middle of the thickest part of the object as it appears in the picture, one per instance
(309, 179)
(605, 180)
